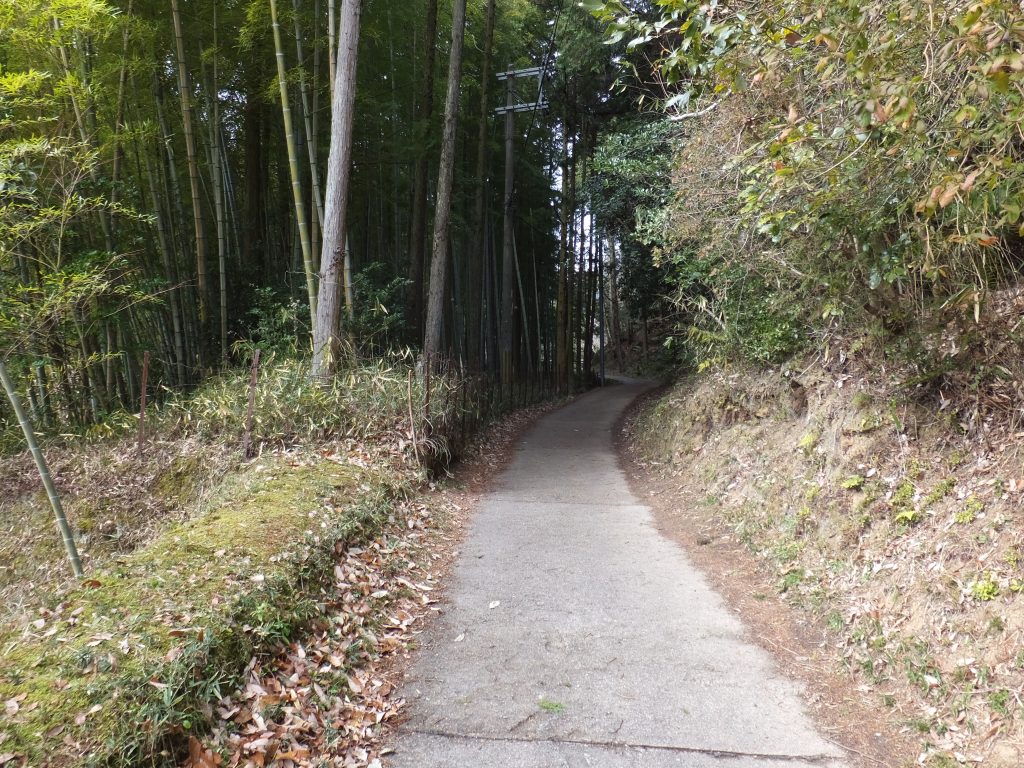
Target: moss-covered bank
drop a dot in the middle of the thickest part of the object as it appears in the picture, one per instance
(130, 662)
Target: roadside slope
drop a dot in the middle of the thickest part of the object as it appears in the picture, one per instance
(879, 518)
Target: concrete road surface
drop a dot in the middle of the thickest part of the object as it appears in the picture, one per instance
(576, 635)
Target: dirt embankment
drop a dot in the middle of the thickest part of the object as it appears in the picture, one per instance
(898, 539)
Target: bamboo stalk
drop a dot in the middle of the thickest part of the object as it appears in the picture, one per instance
(307, 116)
(218, 201)
(350, 302)
(412, 423)
(293, 166)
(37, 455)
(193, 168)
(164, 236)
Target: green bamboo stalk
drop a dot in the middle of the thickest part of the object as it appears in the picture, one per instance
(195, 182)
(44, 472)
(293, 166)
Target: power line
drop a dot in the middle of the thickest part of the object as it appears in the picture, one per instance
(545, 66)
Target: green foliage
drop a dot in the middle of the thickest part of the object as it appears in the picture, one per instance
(939, 492)
(985, 588)
(631, 172)
(54, 280)
(279, 322)
(971, 509)
(380, 317)
(853, 483)
(902, 504)
(842, 162)
(622, 162)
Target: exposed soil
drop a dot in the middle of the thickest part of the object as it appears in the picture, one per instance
(872, 508)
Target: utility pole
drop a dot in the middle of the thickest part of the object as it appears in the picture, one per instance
(509, 263)
(507, 267)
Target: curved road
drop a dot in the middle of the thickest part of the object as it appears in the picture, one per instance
(606, 647)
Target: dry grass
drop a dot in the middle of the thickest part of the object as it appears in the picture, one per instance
(196, 559)
(901, 530)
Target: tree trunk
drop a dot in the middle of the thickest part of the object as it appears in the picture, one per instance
(445, 181)
(327, 327)
(254, 243)
(615, 334)
(332, 28)
(562, 371)
(591, 298)
(479, 252)
(418, 227)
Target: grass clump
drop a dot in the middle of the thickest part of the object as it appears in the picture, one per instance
(999, 701)
(552, 707)
(939, 492)
(861, 400)
(809, 442)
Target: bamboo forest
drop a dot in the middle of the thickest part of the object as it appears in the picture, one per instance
(175, 182)
(526, 383)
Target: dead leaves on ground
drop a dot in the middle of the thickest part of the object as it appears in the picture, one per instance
(325, 700)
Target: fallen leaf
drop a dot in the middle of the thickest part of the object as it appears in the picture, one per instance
(198, 757)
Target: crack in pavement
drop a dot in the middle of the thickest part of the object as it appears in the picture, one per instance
(824, 760)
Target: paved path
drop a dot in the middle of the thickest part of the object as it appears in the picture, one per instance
(606, 649)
